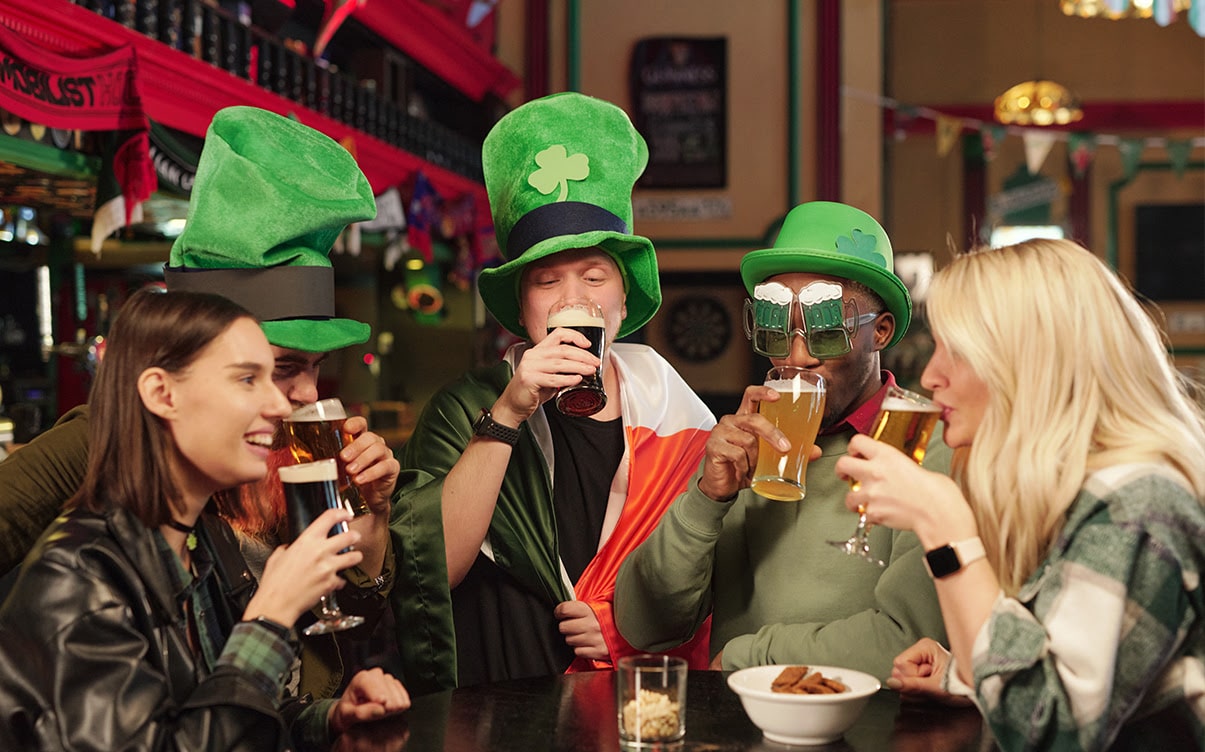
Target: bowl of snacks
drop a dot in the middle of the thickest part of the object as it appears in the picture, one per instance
(803, 705)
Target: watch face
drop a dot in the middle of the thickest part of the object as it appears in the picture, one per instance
(943, 561)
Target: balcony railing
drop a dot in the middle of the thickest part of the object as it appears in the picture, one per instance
(214, 36)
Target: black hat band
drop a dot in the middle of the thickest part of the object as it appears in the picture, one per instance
(558, 220)
(270, 294)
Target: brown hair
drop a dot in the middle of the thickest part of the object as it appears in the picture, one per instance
(130, 448)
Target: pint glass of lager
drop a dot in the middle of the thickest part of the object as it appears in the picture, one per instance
(585, 316)
(310, 489)
(797, 413)
(315, 432)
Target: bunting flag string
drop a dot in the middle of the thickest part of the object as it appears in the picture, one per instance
(1081, 146)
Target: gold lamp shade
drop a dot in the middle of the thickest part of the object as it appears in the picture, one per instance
(1038, 102)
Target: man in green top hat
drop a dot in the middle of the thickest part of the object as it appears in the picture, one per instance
(513, 514)
(825, 299)
(269, 199)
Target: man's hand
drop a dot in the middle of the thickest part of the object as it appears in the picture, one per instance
(732, 448)
(557, 361)
(371, 465)
(581, 629)
(371, 695)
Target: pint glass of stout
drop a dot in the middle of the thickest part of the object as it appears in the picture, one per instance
(585, 316)
(797, 413)
(311, 489)
(315, 432)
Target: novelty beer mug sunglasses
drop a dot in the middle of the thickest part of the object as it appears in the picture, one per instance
(829, 322)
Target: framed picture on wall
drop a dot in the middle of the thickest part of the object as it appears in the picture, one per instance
(679, 105)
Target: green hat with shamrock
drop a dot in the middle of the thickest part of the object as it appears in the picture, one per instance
(559, 172)
(269, 199)
(823, 237)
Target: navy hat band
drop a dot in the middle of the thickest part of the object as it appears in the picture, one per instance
(558, 220)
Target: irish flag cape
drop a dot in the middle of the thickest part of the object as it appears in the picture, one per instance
(665, 428)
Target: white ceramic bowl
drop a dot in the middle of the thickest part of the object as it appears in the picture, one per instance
(802, 719)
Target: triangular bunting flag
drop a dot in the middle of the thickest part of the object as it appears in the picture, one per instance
(1037, 146)
(948, 130)
(992, 136)
(422, 216)
(1131, 153)
(1178, 151)
(1080, 149)
(1196, 18)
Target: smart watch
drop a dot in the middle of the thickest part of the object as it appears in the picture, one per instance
(948, 559)
(487, 426)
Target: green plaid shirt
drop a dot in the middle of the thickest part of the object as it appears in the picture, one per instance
(1104, 646)
(257, 652)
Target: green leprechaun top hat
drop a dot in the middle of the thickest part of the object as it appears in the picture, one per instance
(559, 172)
(269, 199)
(823, 237)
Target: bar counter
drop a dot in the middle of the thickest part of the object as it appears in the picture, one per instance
(576, 713)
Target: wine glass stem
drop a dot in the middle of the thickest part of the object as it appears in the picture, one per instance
(328, 606)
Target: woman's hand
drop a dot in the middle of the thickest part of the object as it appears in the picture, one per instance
(918, 673)
(371, 695)
(898, 493)
(297, 575)
(579, 625)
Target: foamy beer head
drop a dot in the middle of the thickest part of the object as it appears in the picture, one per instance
(315, 432)
(327, 409)
(575, 317)
(797, 412)
(906, 421)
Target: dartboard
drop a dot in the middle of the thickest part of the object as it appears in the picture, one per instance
(698, 328)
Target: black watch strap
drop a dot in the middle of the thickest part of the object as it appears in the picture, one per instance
(487, 426)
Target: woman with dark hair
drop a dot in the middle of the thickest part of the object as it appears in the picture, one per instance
(124, 630)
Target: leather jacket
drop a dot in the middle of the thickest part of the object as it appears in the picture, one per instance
(94, 654)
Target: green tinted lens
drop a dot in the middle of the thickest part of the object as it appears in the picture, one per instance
(772, 343)
(828, 343)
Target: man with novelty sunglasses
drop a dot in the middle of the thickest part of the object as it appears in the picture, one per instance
(824, 298)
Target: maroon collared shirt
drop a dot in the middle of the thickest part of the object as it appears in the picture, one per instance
(862, 417)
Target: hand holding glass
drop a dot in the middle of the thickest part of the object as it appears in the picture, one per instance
(315, 432)
(310, 490)
(905, 421)
(586, 317)
(797, 412)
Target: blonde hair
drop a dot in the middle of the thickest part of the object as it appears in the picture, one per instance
(1079, 377)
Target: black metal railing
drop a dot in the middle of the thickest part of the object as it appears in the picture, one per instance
(232, 44)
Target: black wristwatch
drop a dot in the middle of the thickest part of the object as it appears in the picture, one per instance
(487, 426)
(288, 634)
(948, 559)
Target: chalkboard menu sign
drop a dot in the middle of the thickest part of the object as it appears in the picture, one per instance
(679, 105)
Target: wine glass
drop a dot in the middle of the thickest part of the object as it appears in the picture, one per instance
(312, 488)
(905, 421)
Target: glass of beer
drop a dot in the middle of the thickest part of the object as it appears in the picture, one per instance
(310, 490)
(585, 316)
(797, 413)
(315, 432)
(905, 421)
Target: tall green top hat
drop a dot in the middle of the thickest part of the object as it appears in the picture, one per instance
(270, 197)
(822, 237)
(559, 172)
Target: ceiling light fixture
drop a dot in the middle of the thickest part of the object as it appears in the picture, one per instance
(1038, 102)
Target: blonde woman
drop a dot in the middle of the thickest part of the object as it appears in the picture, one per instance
(1067, 549)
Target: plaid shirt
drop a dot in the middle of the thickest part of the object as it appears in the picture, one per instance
(1105, 643)
(258, 652)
